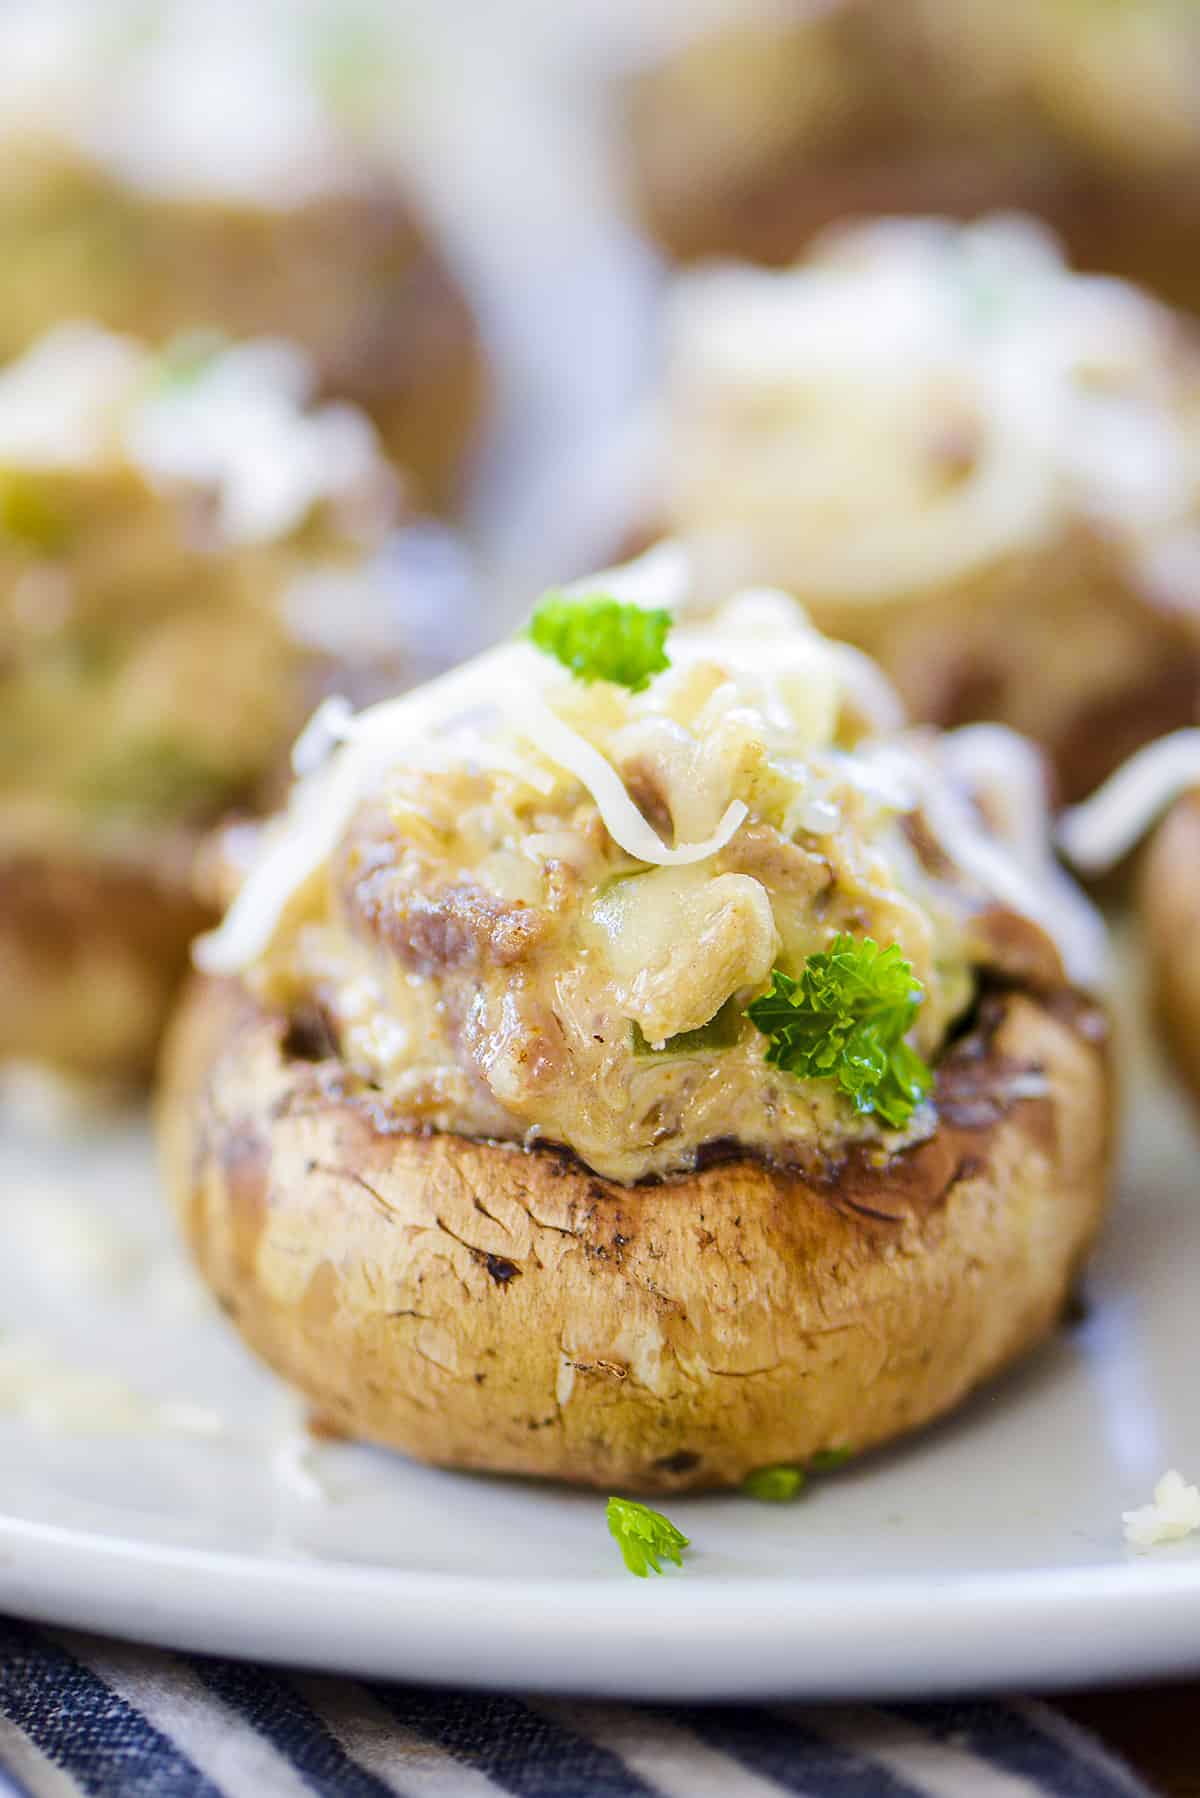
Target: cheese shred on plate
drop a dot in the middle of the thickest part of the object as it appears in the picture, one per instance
(1173, 1514)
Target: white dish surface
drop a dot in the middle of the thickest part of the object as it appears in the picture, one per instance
(986, 1552)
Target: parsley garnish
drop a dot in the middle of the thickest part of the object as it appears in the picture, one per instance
(780, 1484)
(845, 1019)
(773, 1485)
(598, 638)
(826, 1459)
(643, 1536)
(187, 357)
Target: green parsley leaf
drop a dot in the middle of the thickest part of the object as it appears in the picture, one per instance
(780, 1484)
(599, 638)
(826, 1459)
(845, 1019)
(773, 1485)
(186, 357)
(643, 1536)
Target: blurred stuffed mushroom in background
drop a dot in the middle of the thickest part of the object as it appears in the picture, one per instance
(1154, 799)
(765, 123)
(191, 551)
(971, 461)
(171, 167)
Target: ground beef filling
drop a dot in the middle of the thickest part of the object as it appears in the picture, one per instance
(498, 968)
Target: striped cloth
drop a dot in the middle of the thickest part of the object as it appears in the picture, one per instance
(82, 1715)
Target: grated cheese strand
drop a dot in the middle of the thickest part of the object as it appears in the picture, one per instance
(623, 821)
(1022, 872)
(1095, 835)
(510, 681)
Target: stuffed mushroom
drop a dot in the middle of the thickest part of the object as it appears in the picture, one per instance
(971, 461)
(189, 548)
(760, 128)
(169, 167)
(635, 1058)
(1156, 795)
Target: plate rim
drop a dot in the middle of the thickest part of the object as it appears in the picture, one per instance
(732, 1637)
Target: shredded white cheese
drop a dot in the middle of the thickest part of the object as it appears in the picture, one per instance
(69, 1248)
(223, 101)
(54, 1396)
(1173, 1514)
(1020, 869)
(622, 819)
(918, 399)
(1095, 835)
(244, 429)
(768, 663)
(505, 685)
(241, 427)
(61, 402)
(663, 576)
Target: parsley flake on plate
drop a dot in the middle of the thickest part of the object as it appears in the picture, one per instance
(599, 638)
(646, 1538)
(774, 1485)
(779, 1484)
(845, 1019)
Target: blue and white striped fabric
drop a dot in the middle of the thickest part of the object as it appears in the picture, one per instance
(79, 1715)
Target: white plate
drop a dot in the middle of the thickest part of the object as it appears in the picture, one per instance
(987, 1552)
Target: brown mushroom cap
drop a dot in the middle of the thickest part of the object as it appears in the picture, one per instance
(91, 955)
(481, 1305)
(356, 279)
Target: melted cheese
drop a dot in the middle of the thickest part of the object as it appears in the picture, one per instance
(761, 642)
(504, 685)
